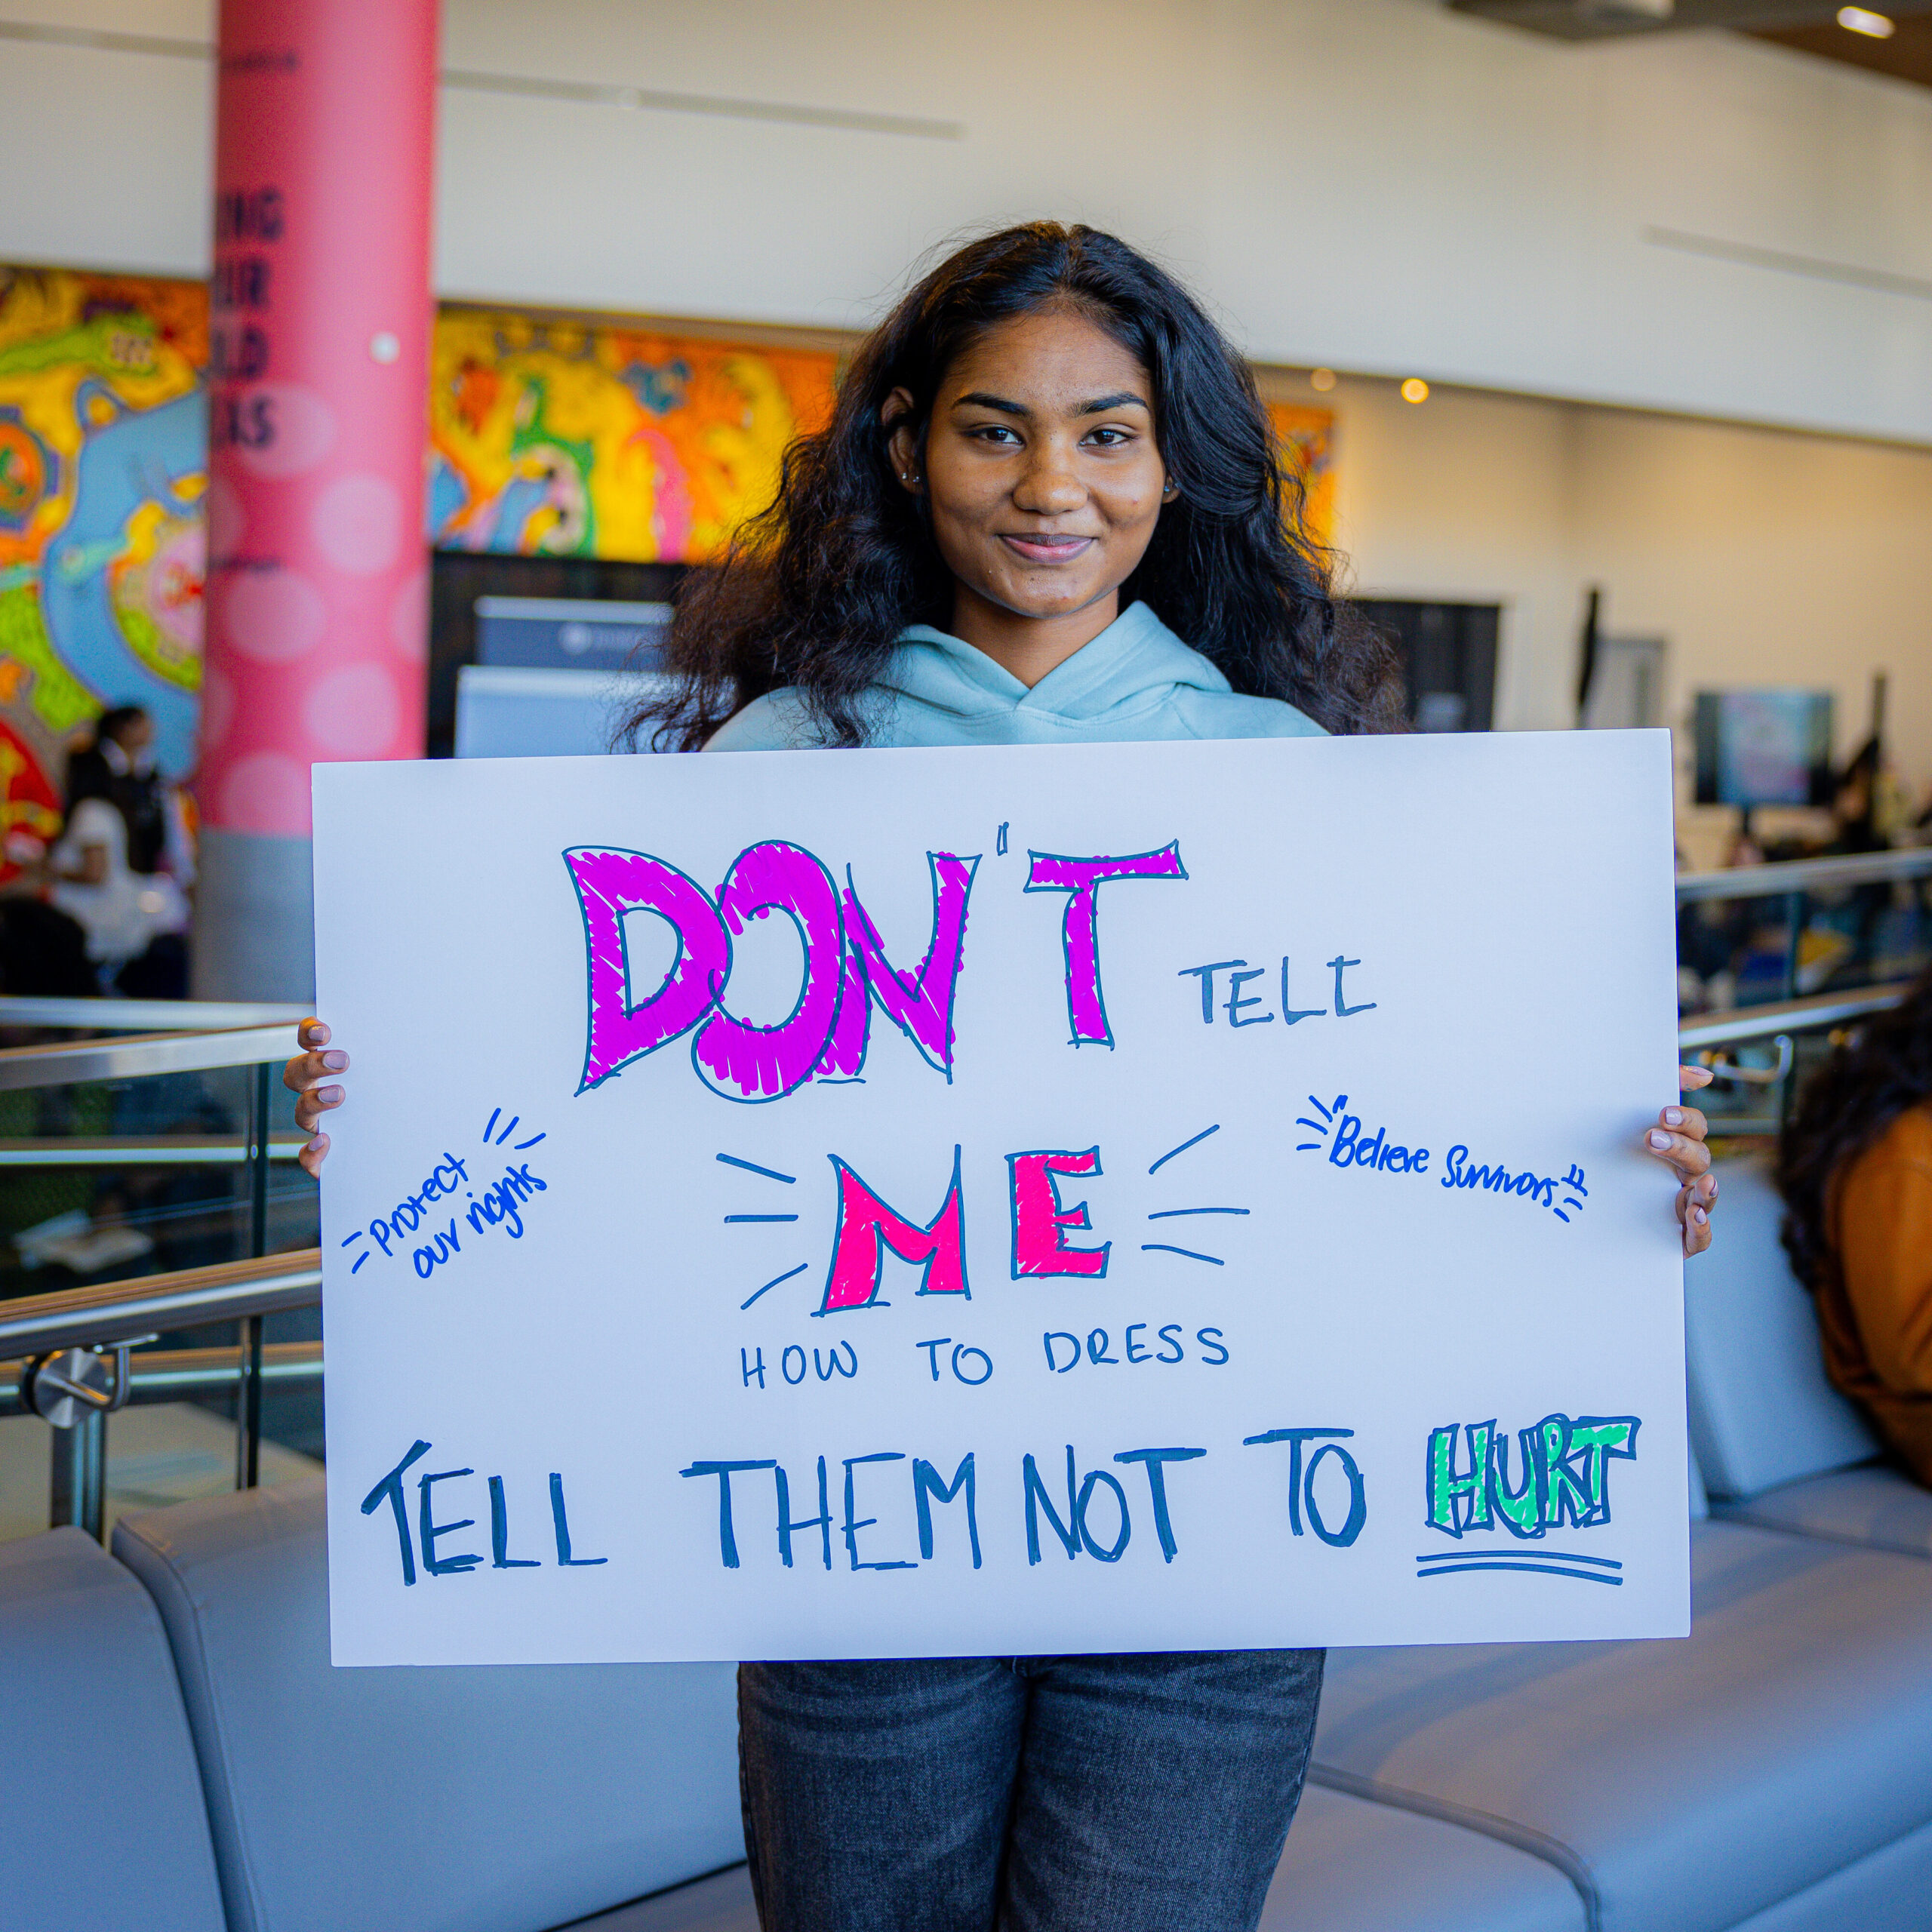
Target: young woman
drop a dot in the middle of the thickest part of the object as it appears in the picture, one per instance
(1048, 509)
(1855, 1168)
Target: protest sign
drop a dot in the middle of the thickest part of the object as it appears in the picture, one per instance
(1011, 1201)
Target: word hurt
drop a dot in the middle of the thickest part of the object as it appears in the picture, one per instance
(1562, 1474)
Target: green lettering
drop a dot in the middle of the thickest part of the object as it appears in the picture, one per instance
(1457, 1503)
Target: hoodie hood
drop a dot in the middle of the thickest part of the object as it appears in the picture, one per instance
(1135, 666)
(1136, 681)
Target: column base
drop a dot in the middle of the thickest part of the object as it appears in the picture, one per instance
(254, 918)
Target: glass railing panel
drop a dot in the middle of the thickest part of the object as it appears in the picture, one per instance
(177, 1439)
(164, 1157)
(105, 1180)
(1759, 934)
(112, 1179)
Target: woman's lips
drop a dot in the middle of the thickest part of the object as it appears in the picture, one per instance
(1047, 549)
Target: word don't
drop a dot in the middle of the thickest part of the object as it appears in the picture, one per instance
(845, 972)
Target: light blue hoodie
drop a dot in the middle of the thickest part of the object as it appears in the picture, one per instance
(1135, 681)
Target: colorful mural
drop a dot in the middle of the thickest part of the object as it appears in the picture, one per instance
(564, 439)
(1307, 440)
(547, 437)
(103, 467)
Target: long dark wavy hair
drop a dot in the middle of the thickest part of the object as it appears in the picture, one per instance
(816, 591)
(1851, 1101)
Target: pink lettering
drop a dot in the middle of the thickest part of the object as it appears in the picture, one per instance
(1039, 1223)
(732, 1056)
(611, 883)
(867, 1227)
(920, 1004)
(1086, 1009)
(845, 1055)
(846, 970)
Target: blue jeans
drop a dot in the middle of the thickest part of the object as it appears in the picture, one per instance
(1073, 1794)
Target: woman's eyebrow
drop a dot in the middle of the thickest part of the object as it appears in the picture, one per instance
(982, 400)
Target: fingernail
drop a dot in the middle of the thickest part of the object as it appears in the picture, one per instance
(1699, 1216)
(328, 1096)
(1714, 1187)
(315, 1145)
(1659, 1139)
(1674, 1115)
(335, 1063)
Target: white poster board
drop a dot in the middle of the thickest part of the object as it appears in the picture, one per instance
(1015, 1201)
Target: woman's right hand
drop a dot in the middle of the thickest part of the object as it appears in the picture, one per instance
(308, 1074)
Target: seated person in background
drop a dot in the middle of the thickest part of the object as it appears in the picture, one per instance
(118, 766)
(105, 867)
(43, 952)
(1855, 1168)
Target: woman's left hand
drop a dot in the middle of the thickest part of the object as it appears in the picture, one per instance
(1677, 1140)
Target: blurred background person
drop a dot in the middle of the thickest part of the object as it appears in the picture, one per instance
(1855, 1168)
(108, 868)
(43, 950)
(118, 765)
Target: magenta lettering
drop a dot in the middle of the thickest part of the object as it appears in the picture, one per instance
(868, 1226)
(1040, 1223)
(735, 1058)
(919, 1003)
(611, 883)
(845, 1055)
(1050, 871)
(826, 1034)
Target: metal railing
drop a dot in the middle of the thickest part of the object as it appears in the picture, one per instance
(1707, 1031)
(66, 1375)
(1796, 882)
(177, 1371)
(141, 1015)
(1710, 1039)
(1806, 876)
(75, 1365)
(128, 1056)
(74, 1345)
(177, 1150)
(110, 1311)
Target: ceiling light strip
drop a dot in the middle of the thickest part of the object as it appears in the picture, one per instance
(1886, 280)
(96, 40)
(582, 93)
(592, 94)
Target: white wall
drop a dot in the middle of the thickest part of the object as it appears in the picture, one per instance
(1376, 184)
(1373, 184)
(1768, 559)
(118, 149)
(1468, 498)
(1761, 556)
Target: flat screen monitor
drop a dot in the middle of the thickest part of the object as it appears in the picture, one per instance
(1763, 748)
(569, 634)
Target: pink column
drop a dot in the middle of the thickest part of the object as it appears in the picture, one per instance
(318, 574)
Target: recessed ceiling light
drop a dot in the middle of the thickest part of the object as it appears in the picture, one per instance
(1323, 379)
(1860, 20)
(1415, 390)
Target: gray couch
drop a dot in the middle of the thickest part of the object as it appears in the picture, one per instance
(1774, 1772)
(186, 1760)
